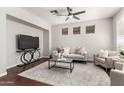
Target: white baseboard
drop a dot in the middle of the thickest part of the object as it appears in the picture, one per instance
(20, 63)
(5, 73)
(12, 66)
(45, 57)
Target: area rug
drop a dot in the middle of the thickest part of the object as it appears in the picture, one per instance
(82, 75)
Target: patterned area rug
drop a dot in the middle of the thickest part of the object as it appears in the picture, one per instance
(82, 75)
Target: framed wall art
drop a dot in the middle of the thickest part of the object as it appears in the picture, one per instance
(90, 29)
(76, 30)
(64, 31)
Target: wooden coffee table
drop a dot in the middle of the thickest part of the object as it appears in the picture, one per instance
(67, 61)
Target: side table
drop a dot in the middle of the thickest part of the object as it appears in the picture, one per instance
(117, 60)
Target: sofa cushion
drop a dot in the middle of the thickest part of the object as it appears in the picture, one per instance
(77, 56)
(65, 55)
(102, 60)
(114, 57)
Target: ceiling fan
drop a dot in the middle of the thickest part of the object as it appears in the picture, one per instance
(69, 15)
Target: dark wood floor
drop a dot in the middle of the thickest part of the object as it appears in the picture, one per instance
(13, 79)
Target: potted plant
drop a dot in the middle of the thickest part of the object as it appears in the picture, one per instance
(122, 52)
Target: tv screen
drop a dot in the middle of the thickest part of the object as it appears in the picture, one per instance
(36, 42)
(27, 42)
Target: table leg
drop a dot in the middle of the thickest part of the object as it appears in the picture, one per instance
(49, 64)
(73, 65)
(55, 63)
(70, 68)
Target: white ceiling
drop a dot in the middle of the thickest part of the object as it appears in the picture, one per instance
(92, 13)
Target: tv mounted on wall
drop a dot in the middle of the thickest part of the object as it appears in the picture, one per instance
(27, 42)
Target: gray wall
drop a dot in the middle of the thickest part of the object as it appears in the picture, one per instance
(21, 14)
(2, 44)
(14, 28)
(102, 39)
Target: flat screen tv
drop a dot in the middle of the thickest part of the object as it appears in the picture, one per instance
(27, 42)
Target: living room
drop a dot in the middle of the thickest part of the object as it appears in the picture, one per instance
(65, 35)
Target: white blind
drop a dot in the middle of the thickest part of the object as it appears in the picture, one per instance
(121, 29)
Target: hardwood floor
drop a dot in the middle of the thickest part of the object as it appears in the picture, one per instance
(13, 79)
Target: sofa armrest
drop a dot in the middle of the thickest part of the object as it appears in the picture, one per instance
(85, 55)
(117, 77)
(94, 57)
(109, 62)
(119, 65)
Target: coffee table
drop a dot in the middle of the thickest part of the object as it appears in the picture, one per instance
(66, 61)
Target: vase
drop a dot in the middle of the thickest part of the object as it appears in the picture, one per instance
(59, 55)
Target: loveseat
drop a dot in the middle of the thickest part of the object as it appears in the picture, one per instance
(105, 60)
(79, 53)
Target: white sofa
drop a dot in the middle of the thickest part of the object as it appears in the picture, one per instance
(73, 53)
(107, 60)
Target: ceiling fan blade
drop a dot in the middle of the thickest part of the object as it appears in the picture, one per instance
(67, 18)
(54, 11)
(76, 17)
(77, 13)
(68, 9)
(62, 15)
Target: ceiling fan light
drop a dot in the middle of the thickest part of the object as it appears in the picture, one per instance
(70, 16)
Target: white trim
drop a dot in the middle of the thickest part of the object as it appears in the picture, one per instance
(20, 63)
(45, 57)
(12, 66)
(2, 74)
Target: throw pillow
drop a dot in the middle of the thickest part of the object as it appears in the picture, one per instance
(72, 50)
(103, 53)
(54, 52)
(83, 50)
(66, 50)
(78, 50)
(112, 53)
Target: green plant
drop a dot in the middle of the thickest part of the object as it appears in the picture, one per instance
(58, 50)
(122, 53)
